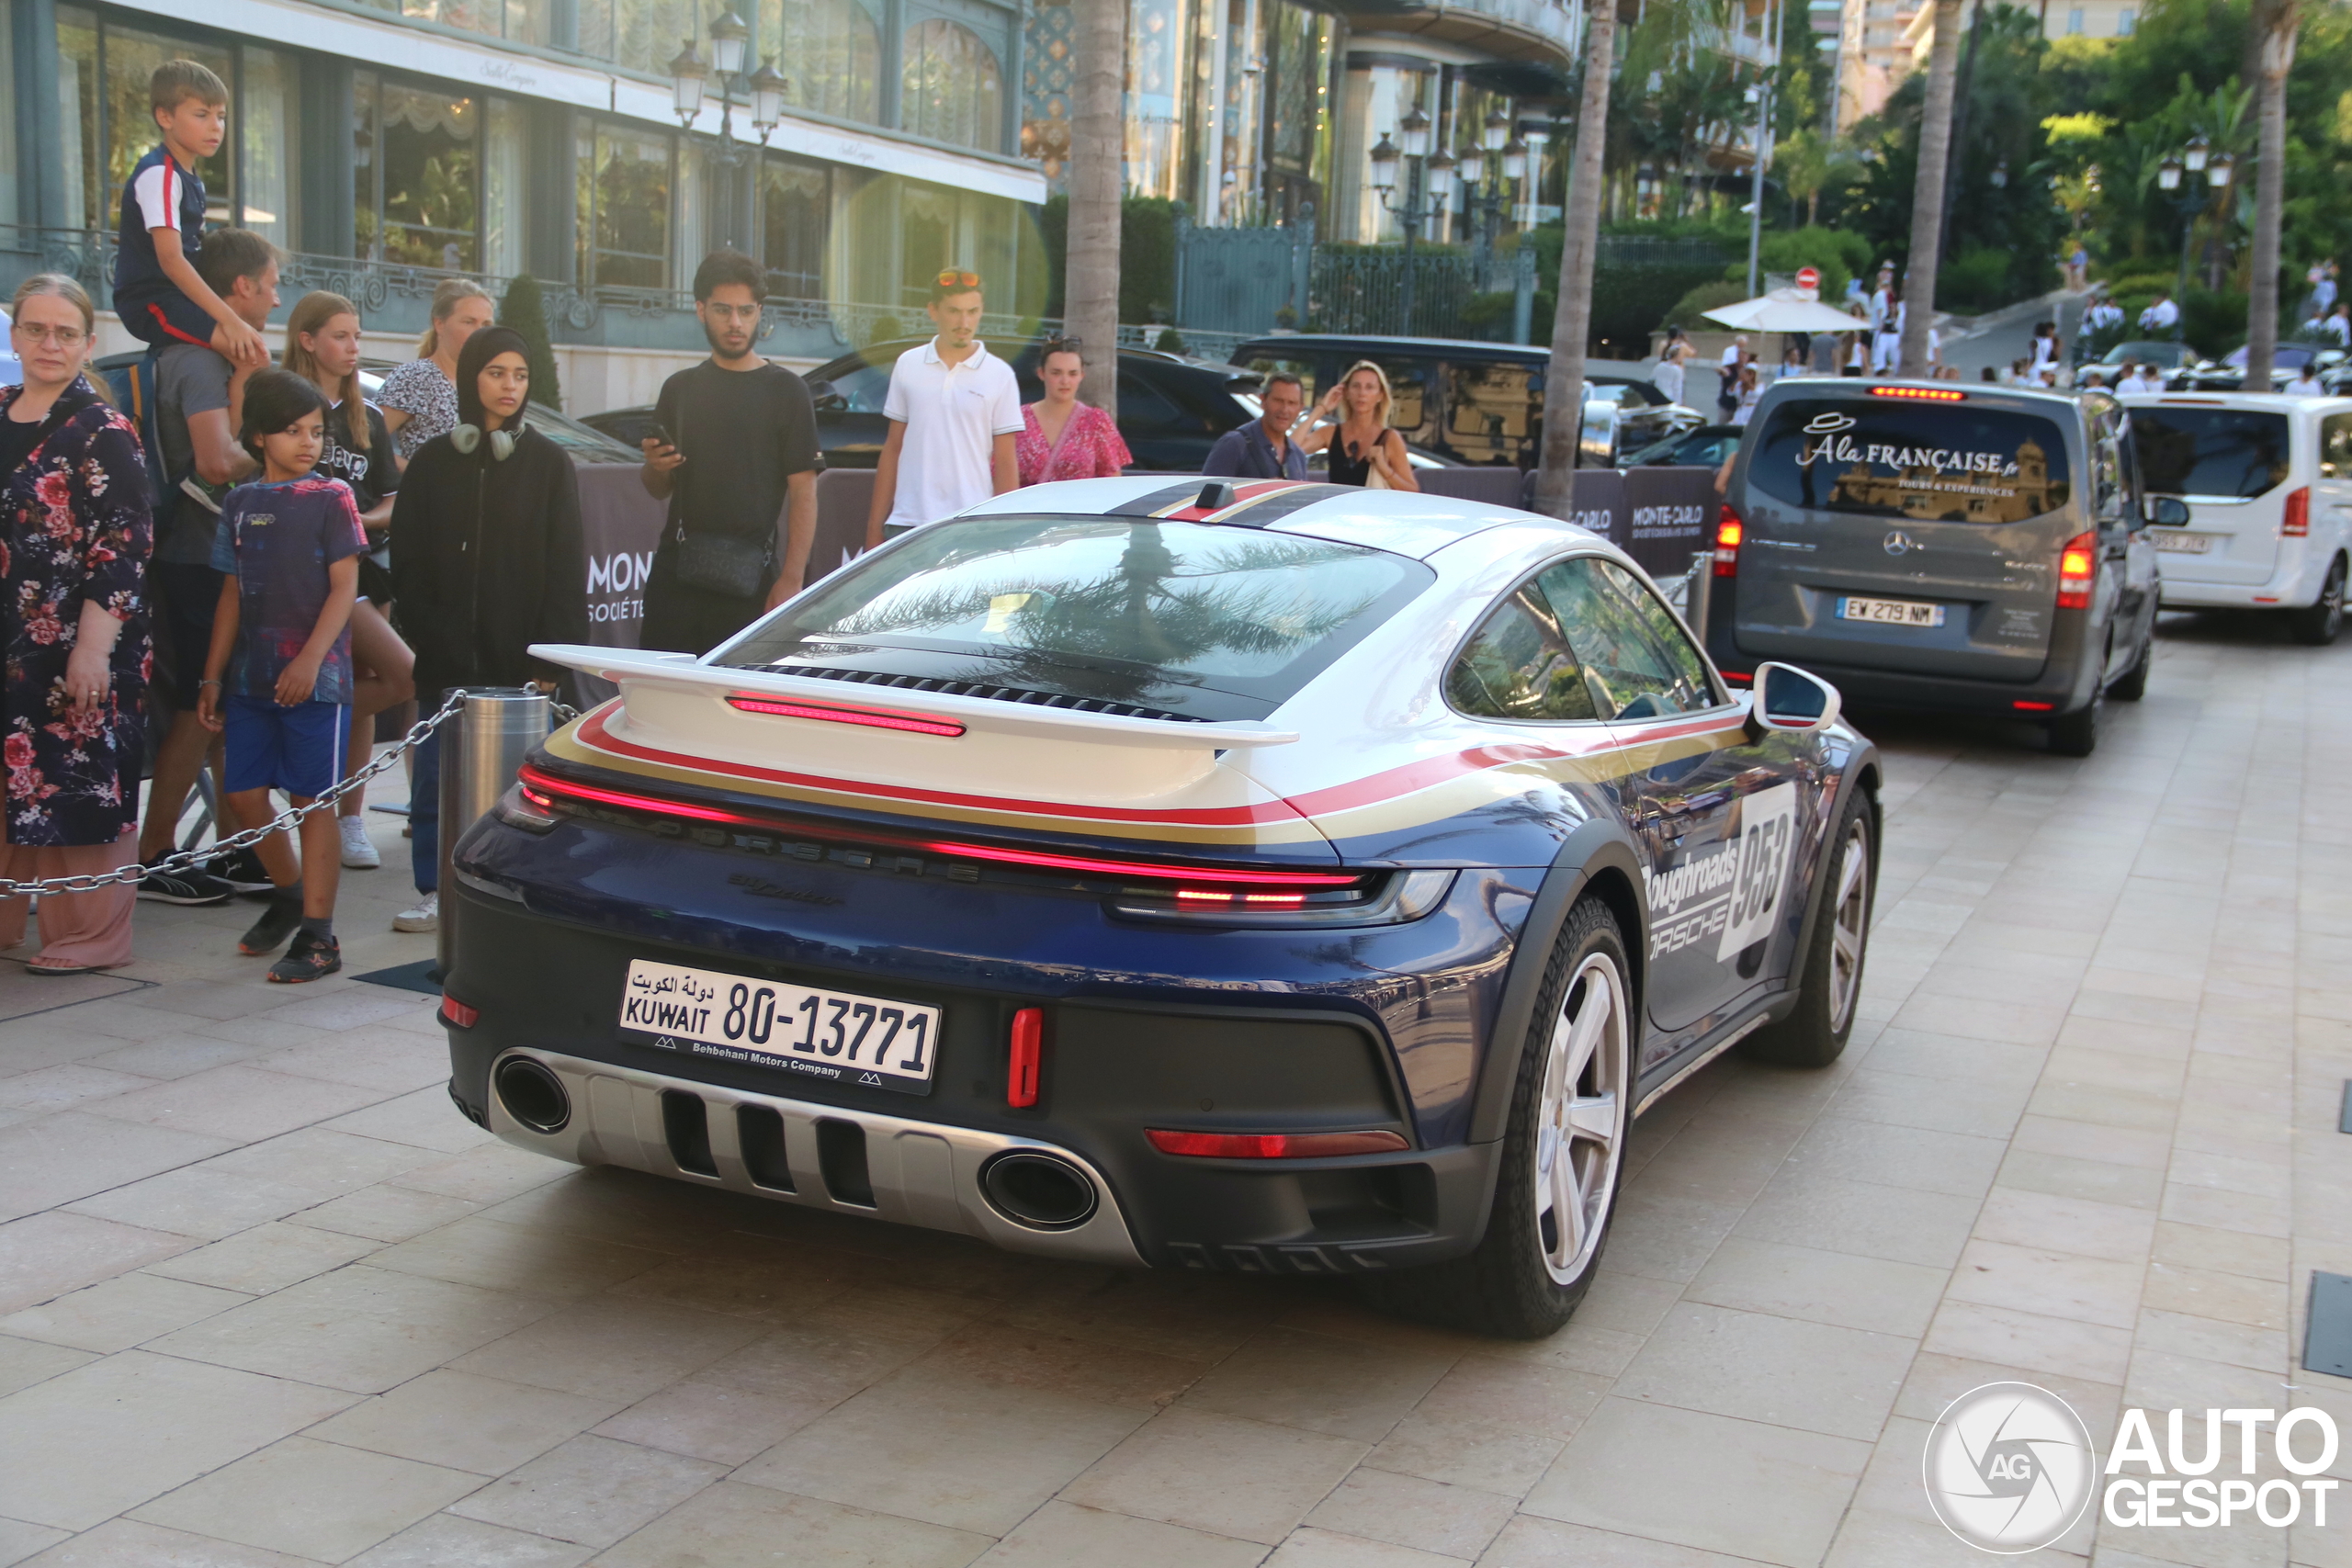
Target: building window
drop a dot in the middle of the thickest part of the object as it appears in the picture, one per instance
(796, 224)
(130, 58)
(2074, 22)
(829, 52)
(525, 21)
(642, 35)
(9, 129)
(267, 119)
(417, 193)
(78, 101)
(952, 89)
(624, 181)
(505, 204)
(2126, 22)
(926, 239)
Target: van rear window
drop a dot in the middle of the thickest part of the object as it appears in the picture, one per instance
(2237, 453)
(1936, 463)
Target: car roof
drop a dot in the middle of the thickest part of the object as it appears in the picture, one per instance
(1403, 523)
(2280, 402)
(879, 352)
(1971, 391)
(1462, 347)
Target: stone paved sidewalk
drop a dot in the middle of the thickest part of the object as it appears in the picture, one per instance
(266, 1300)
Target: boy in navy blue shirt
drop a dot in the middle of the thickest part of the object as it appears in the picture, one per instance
(156, 290)
(290, 544)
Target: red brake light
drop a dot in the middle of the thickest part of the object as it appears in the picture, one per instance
(457, 1012)
(1728, 530)
(2035, 707)
(1275, 1146)
(914, 724)
(2297, 523)
(2075, 571)
(1920, 394)
(1021, 1066)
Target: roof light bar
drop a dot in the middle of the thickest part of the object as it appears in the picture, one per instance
(914, 724)
(550, 785)
(1921, 394)
(1275, 1146)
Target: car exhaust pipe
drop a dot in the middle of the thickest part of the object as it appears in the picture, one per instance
(1040, 1190)
(532, 1094)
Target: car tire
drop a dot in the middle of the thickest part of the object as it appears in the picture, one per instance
(1562, 1153)
(2317, 624)
(1829, 981)
(2133, 684)
(2076, 734)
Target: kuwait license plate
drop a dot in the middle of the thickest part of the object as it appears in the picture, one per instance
(2183, 543)
(771, 1023)
(1891, 612)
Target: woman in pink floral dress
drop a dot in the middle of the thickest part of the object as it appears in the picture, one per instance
(75, 534)
(1060, 437)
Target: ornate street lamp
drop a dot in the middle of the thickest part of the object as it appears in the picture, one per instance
(762, 91)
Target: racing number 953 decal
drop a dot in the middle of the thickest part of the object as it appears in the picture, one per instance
(1732, 892)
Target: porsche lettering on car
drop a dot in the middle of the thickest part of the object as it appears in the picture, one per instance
(1271, 878)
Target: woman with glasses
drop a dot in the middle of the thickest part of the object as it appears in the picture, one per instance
(1060, 437)
(75, 529)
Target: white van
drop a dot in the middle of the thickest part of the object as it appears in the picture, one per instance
(2269, 482)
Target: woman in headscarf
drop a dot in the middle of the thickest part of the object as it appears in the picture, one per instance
(487, 559)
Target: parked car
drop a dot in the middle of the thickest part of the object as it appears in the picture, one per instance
(1272, 879)
(1923, 546)
(2266, 481)
(1705, 447)
(2228, 373)
(1172, 407)
(1479, 402)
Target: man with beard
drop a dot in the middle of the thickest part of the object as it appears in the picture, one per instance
(736, 450)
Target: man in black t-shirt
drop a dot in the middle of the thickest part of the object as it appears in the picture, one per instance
(736, 453)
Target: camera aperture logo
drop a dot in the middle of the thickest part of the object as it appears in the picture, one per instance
(2009, 1467)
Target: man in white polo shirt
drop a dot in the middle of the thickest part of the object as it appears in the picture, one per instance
(954, 409)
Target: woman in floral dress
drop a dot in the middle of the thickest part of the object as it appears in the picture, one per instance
(1060, 437)
(75, 534)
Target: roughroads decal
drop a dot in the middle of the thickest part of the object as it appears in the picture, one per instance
(1733, 891)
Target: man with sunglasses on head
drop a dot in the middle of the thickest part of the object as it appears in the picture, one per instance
(954, 409)
(734, 453)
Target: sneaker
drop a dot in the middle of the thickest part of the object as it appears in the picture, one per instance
(239, 869)
(279, 921)
(208, 496)
(185, 887)
(426, 917)
(310, 958)
(359, 849)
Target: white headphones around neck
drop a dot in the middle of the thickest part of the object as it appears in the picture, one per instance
(466, 437)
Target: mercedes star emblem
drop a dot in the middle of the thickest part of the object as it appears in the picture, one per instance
(1899, 543)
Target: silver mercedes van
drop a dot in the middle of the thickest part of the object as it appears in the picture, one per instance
(1927, 545)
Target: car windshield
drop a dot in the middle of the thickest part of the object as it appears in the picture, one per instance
(2231, 454)
(2283, 357)
(1182, 620)
(1954, 463)
(2168, 354)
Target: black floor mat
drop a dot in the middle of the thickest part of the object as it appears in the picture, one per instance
(425, 974)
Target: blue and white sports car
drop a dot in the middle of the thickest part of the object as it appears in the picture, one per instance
(1270, 878)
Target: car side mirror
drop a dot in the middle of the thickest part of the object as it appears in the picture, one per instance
(1787, 698)
(2167, 511)
(827, 399)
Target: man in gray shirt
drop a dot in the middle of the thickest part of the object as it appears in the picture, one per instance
(197, 397)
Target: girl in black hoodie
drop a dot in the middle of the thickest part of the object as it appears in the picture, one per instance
(486, 560)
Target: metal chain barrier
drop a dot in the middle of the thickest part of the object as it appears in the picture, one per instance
(290, 818)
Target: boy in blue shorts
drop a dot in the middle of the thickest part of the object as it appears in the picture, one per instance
(290, 545)
(156, 290)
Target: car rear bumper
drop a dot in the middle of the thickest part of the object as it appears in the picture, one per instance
(2061, 689)
(2295, 585)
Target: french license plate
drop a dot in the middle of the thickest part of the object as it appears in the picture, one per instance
(837, 1035)
(2185, 544)
(1891, 612)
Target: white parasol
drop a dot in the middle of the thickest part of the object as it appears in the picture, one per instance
(1786, 310)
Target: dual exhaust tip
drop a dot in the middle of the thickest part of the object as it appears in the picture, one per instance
(1028, 1187)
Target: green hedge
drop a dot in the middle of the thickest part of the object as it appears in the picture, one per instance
(1146, 257)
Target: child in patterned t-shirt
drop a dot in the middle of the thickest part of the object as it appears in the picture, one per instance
(290, 545)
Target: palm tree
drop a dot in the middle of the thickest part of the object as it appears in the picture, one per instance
(1928, 189)
(1097, 173)
(2275, 24)
(1581, 231)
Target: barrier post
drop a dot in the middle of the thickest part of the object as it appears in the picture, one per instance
(482, 752)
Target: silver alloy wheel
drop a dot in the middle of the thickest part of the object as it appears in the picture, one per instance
(1848, 925)
(1580, 1125)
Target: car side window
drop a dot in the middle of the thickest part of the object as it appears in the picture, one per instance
(1637, 661)
(2335, 446)
(2106, 467)
(1490, 416)
(1519, 665)
(1146, 406)
(864, 388)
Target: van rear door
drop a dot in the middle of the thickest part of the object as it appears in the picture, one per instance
(2231, 465)
(1902, 533)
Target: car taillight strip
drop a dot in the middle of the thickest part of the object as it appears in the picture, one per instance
(914, 724)
(1920, 394)
(1275, 1146)
(547, 784)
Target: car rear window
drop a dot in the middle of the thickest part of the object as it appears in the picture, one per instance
(2187, 450)
(1936, 462)
(1177, 619)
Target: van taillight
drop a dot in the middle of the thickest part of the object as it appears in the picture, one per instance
(2075, 571)
(1728, 530)
(2297, 523)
